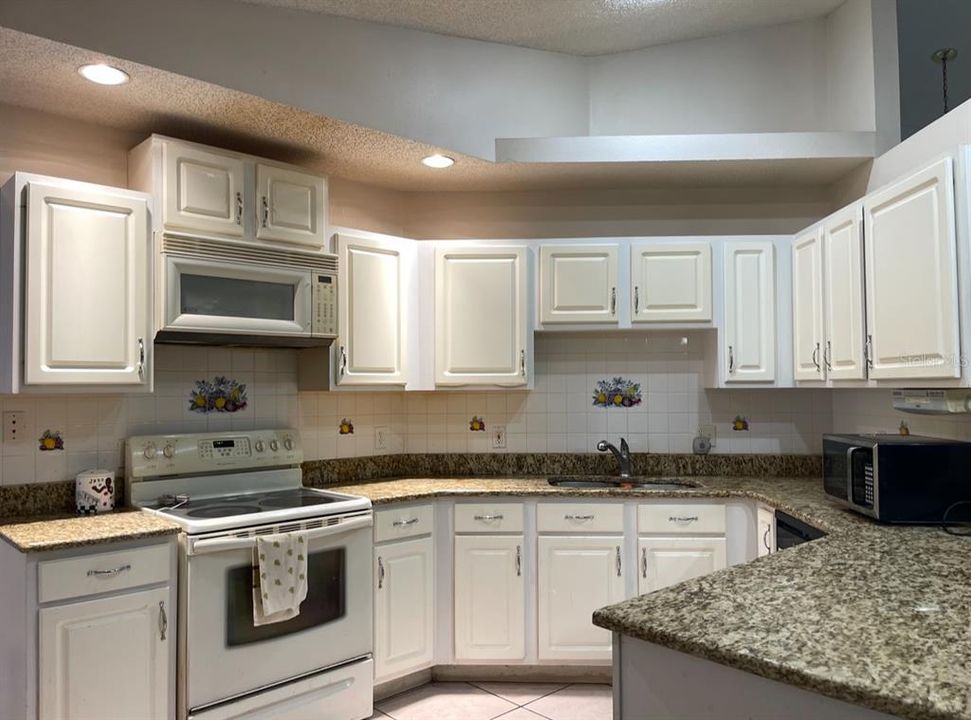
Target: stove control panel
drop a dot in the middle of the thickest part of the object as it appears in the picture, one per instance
(161, 455)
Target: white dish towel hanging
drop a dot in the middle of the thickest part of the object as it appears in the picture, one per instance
(281, 561)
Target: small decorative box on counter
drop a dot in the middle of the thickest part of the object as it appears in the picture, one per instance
(94, 491)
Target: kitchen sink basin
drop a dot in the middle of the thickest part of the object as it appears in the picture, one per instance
(613, 481)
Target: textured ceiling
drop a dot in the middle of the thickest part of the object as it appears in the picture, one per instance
(579, 27)
(42, 74)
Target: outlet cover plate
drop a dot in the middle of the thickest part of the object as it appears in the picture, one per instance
(14, 427)
(498, 437)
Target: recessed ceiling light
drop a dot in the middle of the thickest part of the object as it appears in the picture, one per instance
(103, 74)
(437, 161)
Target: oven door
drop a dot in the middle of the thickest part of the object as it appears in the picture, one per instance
(227, 656)
(226, 297)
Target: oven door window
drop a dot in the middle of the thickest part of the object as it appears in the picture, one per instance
(234, 297)
(325, 602)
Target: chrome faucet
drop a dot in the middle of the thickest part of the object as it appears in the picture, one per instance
(622, 455)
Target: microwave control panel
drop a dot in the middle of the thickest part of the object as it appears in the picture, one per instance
(324, 305)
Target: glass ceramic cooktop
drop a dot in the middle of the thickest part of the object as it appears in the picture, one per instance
(247, 504)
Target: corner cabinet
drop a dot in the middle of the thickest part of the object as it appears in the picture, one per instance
(578, 284)
(750, 314)
(481, 316)
(670, 281)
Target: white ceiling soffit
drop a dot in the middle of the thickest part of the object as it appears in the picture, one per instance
(578, 27)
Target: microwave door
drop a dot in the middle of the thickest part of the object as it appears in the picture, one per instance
(207, 296)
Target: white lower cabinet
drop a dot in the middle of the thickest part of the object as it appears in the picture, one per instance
(667, 561)
(577, 575)
(403, 607)
(106, 658)
(490, 602)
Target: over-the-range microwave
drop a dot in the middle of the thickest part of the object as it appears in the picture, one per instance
(218, 292)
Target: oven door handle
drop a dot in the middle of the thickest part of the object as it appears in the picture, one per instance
(202, 547)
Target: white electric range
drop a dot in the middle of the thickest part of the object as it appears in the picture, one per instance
(224, 489)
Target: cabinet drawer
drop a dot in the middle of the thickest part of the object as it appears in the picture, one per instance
(489, 517)
(102, 572)
(588, 517)
(403, 522)
(680, 518)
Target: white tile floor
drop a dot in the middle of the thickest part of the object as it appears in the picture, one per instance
(504, 700)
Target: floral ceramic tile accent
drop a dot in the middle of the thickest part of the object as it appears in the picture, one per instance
(346, 427)
(740, 424)
(617, 392)
(476, 424)
(221, 394)
(51, 440)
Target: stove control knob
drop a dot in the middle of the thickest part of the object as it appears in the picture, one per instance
(260, 447)
(274, 445)
(288, 444)
(150, 451)
(169, 450)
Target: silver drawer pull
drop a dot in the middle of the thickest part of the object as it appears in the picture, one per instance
(617, 561)
(402, 523)
(163, 621)
(487, 518)
(676, 518)
(109, 573)
(644, 562)
(380, 573)
(578, 517)
(519, 561)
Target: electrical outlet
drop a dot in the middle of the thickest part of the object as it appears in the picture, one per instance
(498, 437)
(14, 427)
(709, 432)
(382, 437)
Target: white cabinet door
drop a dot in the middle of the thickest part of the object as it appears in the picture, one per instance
(807, 307)
(106, 658)
(670, 281)
(843, 349)
(578, 284)
(480, 316)
(749, 311)
(911, 277)
(577, 575)
(403, 607)
(291, 206)
(201, 190)
(490, 608)
(88, 287)
(766, 531)
(372, 303)
(668, 561)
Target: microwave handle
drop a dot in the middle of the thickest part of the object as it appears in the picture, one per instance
(201, 547)
(849, 470)
(305, 287)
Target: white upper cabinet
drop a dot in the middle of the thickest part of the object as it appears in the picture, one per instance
(807, 306)
(911, 277)
(842, 283)
(374, 287)
(291, 206)
(670, 281)
(750, 345)
(87, 287)
(578, 284)
(481, 323)
(201, 190)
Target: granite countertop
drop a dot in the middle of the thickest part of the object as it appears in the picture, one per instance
(872, 614)
(41, 534)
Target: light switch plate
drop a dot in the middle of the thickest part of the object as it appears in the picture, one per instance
(14, 427)
(382, 439)
(498, 437)
(709, 432)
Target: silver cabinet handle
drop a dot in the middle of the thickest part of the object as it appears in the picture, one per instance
(343, 361)
(618, 562)
(109, 573)
(239, 208)
(637, 298)
(731, 360)
(404, 523)
(816, 357)
(519, 561)
(380, 573)
(828, 355)
(487, 518)
(868, 352)
(683, 519)
(141, 357)
(522, 363)
(163, 621)
(643, 562)
(765, 538)
(578, 517)
(266, 211)
(613, 301)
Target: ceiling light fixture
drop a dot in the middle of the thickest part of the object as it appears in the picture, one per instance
(103, 74)
(437, 161)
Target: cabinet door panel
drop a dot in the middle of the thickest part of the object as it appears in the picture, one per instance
(403, 607)
(490, 610)
(577, 575)
(911, 277)
(578, 283)
(292, 206)
(106, 658)
(807, 307)
(749, 311)
(843, 300)
(87, 288)
(668, 561)
(480, 316)
(202, 190)
(671, 282)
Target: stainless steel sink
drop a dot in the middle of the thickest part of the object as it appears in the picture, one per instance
(613, 481)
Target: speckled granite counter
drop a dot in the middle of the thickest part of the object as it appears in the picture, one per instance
(871, 614)
(59, 533)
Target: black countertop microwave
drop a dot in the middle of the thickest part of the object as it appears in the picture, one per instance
(897, 478)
